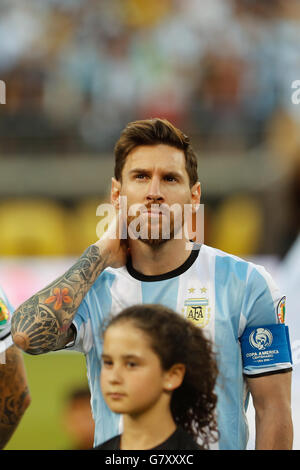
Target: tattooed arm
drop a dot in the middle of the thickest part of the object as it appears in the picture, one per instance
(42, 323)
(14, 394)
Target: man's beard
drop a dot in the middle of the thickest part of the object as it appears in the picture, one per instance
(155, 233)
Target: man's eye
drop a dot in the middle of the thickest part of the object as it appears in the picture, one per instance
(170, 178)
(141, 176)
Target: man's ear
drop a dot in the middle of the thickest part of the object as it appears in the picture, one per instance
(115, 192)
(174, 377)
(196, 195)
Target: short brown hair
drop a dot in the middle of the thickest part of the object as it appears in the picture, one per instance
(154, 132)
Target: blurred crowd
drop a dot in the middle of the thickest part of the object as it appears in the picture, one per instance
(78, 70)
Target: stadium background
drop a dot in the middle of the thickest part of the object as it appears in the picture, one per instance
(76, 71)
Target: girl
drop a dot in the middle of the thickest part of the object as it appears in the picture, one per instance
(159, 372)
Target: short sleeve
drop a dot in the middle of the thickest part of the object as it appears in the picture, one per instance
(262, 298)
(265, 345)
(82, 323)
(92, 314)
(6, 311)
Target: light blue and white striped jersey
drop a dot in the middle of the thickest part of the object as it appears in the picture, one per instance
(6, 311)
(220, 293)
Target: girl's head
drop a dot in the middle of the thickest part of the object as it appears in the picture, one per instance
(151, 354)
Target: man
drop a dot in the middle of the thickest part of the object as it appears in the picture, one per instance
(77, 418)
(14, 394)
(156, 169)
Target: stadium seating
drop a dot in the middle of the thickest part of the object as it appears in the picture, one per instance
(237, 226)
(33, 227)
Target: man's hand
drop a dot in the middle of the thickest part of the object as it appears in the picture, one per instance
(112, 248)
(42, 323)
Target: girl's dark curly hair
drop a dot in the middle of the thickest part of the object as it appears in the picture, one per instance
(176, 340)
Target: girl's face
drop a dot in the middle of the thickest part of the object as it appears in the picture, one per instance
(132, 379)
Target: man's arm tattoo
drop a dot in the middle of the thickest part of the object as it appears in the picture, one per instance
(14, 393)
(42, 322)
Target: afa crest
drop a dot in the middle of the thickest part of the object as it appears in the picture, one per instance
(197, 311)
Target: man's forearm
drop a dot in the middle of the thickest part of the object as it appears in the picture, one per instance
(40, 323)
(14, 393)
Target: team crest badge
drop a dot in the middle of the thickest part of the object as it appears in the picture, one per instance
(4, 314)
(197, 311)
(281, 310)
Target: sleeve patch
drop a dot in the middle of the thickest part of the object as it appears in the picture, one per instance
(265, 346)
(281, 310)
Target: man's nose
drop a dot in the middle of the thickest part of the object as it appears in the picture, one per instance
(154, 190)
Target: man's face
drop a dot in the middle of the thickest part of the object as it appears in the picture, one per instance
(156, 185)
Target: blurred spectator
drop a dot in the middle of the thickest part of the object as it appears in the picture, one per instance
(77, 418)
(292, 231)
(24, 126)
(219, 111)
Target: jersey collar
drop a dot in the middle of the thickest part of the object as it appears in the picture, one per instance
(161, 277)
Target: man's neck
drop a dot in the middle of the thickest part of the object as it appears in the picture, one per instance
(155, 260)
